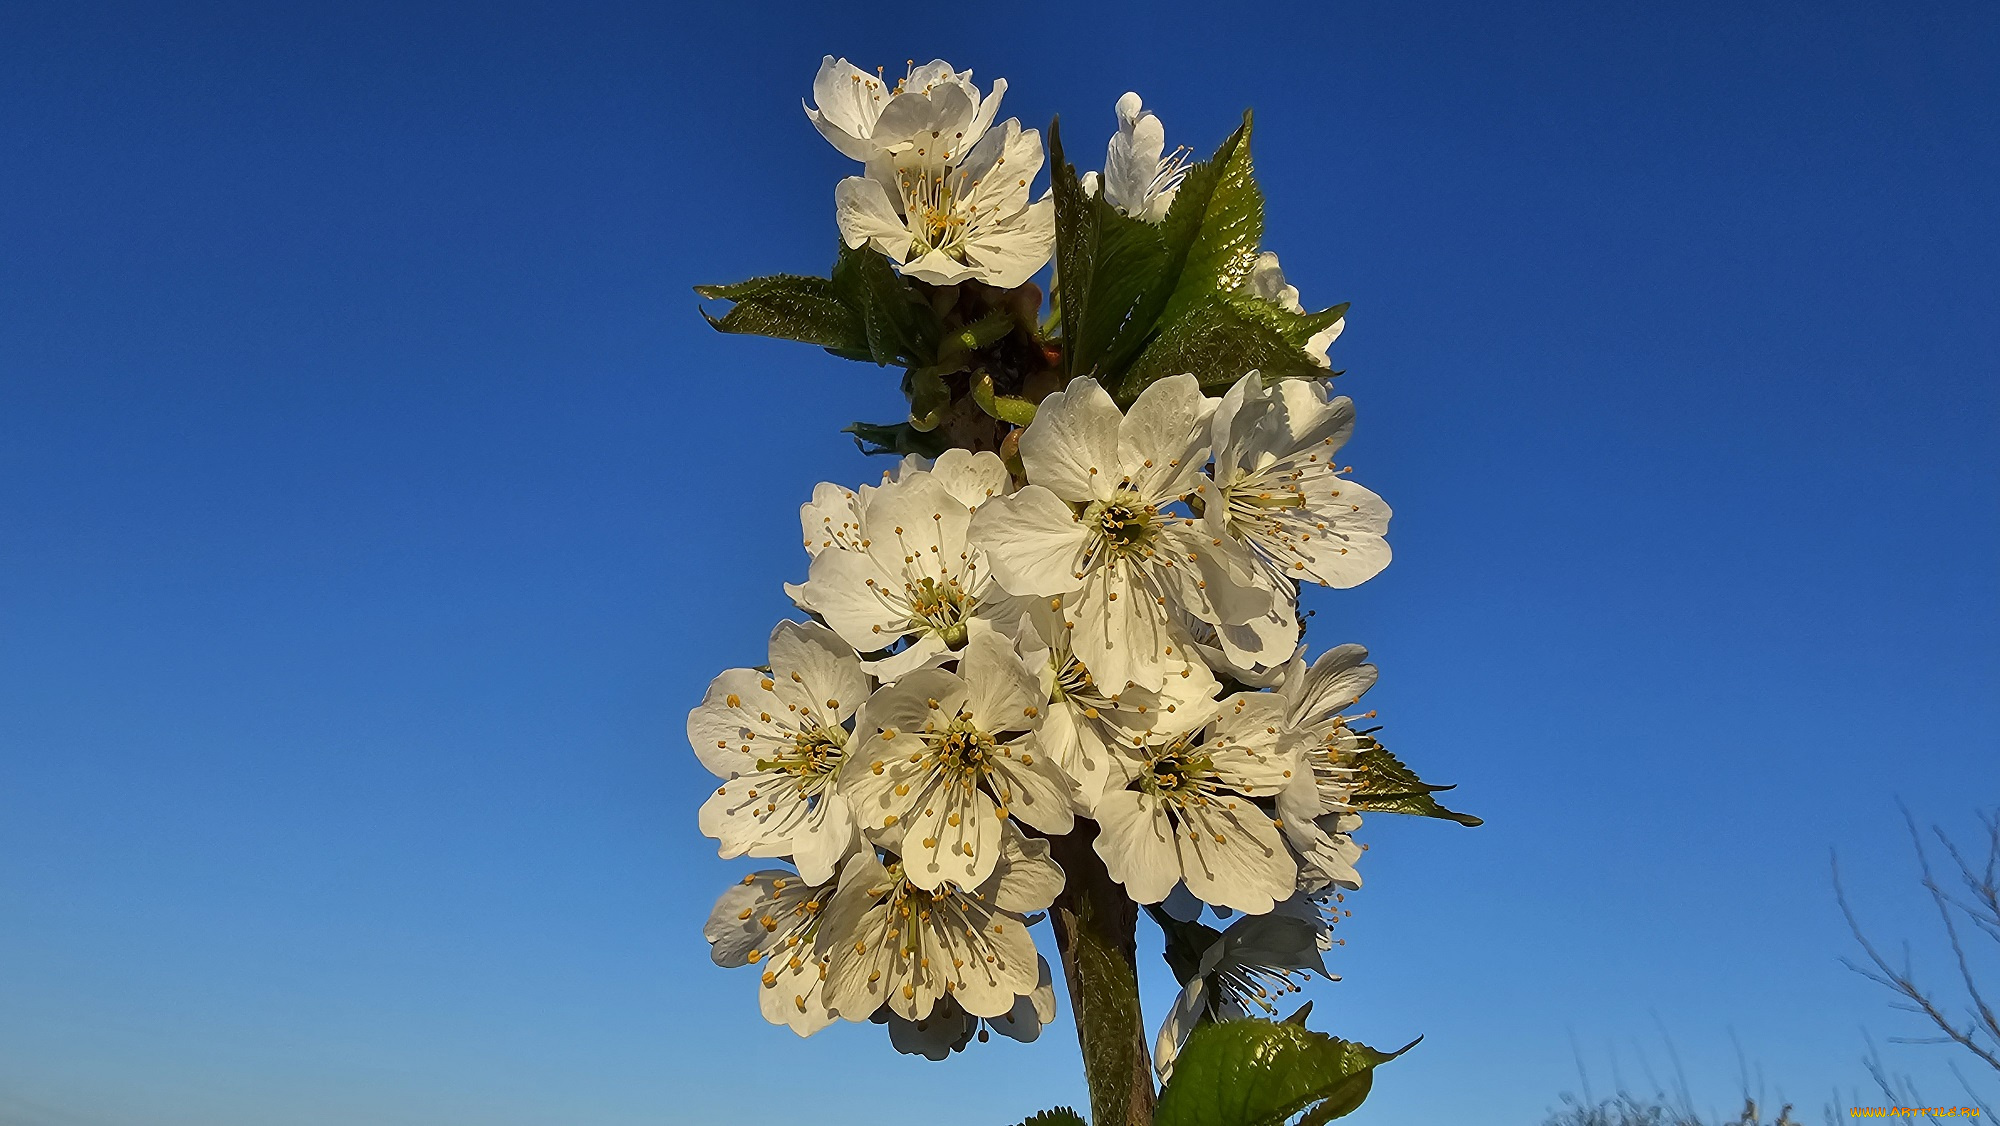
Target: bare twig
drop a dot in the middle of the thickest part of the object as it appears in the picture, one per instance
(1979, 1033)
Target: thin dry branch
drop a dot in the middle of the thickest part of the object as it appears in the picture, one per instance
(1982, 910)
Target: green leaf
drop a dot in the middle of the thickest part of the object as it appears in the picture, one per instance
(1006, 408)
(1219, 341)
(789, 307)
(1260, 1073)
(1300, 327)
(1109, 273)
(1214, 226)
(1060, 1116)
(1385, 785)
(898, 324)
(897, 438)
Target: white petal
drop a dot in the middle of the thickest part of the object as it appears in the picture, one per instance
(1032, 541)
(947, 1029)
(1168, 428)
(953, 836)
(1002, 695)
(1136, 842)
(1026, 879)
(755, 814)
(738, 716)
(828, 840)
(862, 209)
(1249, 869)
(1010, 252)
(972, 477)
(1334, 683)
(1121, 631)
(1072, 447)
(1132, 160)
(1034, 788)
(926, 650)
(841, 587)
(1179, 1025)
(829, 680)
(830, 519)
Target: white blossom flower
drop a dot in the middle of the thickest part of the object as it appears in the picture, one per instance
(950, 1028)
(946, 215)
(1090, 730)
(1281, 492)
(892, 942)
(942, 759)
(1267, 281)
(1257, 958)
(1190, 815)
(777, 738)
(1140, 177)
(1319, 821)
(1092, 531)
(906, 572)
(866, 117)
(772, 918)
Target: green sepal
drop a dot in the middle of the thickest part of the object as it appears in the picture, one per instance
(929, 397)
(1261, 1073)
(1060, 1116)
(1007, 408)
(982, 333)
(895, 439)
(1384, 785)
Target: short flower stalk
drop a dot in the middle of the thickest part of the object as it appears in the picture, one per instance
(1051, 665)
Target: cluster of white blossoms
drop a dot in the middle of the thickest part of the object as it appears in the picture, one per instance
(991, 660)
(945, 192)
(1098, 634)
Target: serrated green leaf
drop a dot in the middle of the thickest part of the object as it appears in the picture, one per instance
(1060, 1116)
(895, 438)
(1299, 328)
(789, 307)
(1214, 226)
(1218, 342)
(1385, 785)
(898, 324)
(1261, 1073)
(1109, 266)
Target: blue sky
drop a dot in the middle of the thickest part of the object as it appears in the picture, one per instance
(373, 505)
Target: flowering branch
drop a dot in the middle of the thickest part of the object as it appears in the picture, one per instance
(1053, 661)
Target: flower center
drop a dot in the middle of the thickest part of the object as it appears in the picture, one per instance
(961, 748)
(1073, 681)
(812, 758)
(939, 606)
(1178, 773)
(1127, 524)
(936, 203)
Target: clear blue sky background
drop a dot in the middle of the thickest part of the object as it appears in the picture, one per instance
(373, 505)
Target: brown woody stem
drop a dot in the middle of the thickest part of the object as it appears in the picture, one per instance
(1096, 927)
